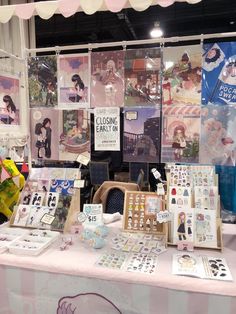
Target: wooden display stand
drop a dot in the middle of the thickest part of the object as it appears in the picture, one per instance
(140, 213)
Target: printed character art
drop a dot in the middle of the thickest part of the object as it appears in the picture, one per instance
(74, 128)
(187, 261)
(182, 75)
(74, 81)
(107, 86)
(219, 73)
(42, 77)
(61, 212)
(181, 228)
(181, 134)
(142, 77)
(10, 100)
(141, 142)
(202, 227)
(44, 139)
(218, 145)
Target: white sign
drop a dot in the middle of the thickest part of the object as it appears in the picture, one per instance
(107, 128)
(94, 213)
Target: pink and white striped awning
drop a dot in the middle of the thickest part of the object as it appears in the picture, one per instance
(67, 8)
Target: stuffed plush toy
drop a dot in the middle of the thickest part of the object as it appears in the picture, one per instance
(95, 237)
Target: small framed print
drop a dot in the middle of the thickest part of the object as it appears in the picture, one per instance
(140, 212)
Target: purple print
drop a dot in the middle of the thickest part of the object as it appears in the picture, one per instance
(107, 84)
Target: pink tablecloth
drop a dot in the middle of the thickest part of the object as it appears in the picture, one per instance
(73, 272)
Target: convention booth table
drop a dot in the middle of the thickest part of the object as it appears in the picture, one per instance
(67, 282)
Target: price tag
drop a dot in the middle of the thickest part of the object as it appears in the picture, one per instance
(83, 159)
(79, 184)
(94, 214)
(47, 219)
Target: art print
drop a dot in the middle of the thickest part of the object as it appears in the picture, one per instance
(36, 214)
(219, 69)
(142, 77)
(74, 126)
(205, 228)
(52, 199)
(182, 75)
(61, 212)
(218, 129)
(187, 264)
(141, 141)
(44, 134)
(37, 198)
(42, 79)
(10, 100)
(107, 83)
(183, 225)
(107, 129)
(73, 73)
(29, 188)
(180, 175)
(43, 185)
(180, 134)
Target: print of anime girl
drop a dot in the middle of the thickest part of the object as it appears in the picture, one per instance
(40, 142)
(78, 88)
(179, 142)
(181, 228)
(109, 79)
(10, 110)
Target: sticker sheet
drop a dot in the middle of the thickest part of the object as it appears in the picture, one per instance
(107, 79)
(10, 99)
(216, 268)
(42, 79)
(180, 175)
(74, 87)
(142, 77)
(65, 187)
(218, 135)
(44, 134)
(74, 132)
(140, 211)
(107, 129)
(141, 141)
(182, 75)
(142, 263)
(112, 259)
(219, 80)
(203, 175)
(22, 215)
(180, 134)
(206, 197)
(205, 228)
(180, 197)
(183, 225)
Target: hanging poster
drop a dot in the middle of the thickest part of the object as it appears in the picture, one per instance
(142, 77)
(141, 141)
(44, 134)
(74, 131)
(180, 134)
(107, 129)
(182, 75)
(42, 78)
(107, 82)
(219, 73)
(10, 100)
(73, 74)
(218, 135)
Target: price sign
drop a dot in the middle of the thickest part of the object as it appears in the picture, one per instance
(94, 214)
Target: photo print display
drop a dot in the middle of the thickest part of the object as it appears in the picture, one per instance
(42, 79)
(10, 100)
(182, 75)
(73, 73)
(107, 129)
(107, 79)
(142, 77)
(218, 135)
(219, 73)
(180, 134)
(74, 133)
(141, 142)
(44, 134)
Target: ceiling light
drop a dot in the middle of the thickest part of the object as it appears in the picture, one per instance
(156, 31)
